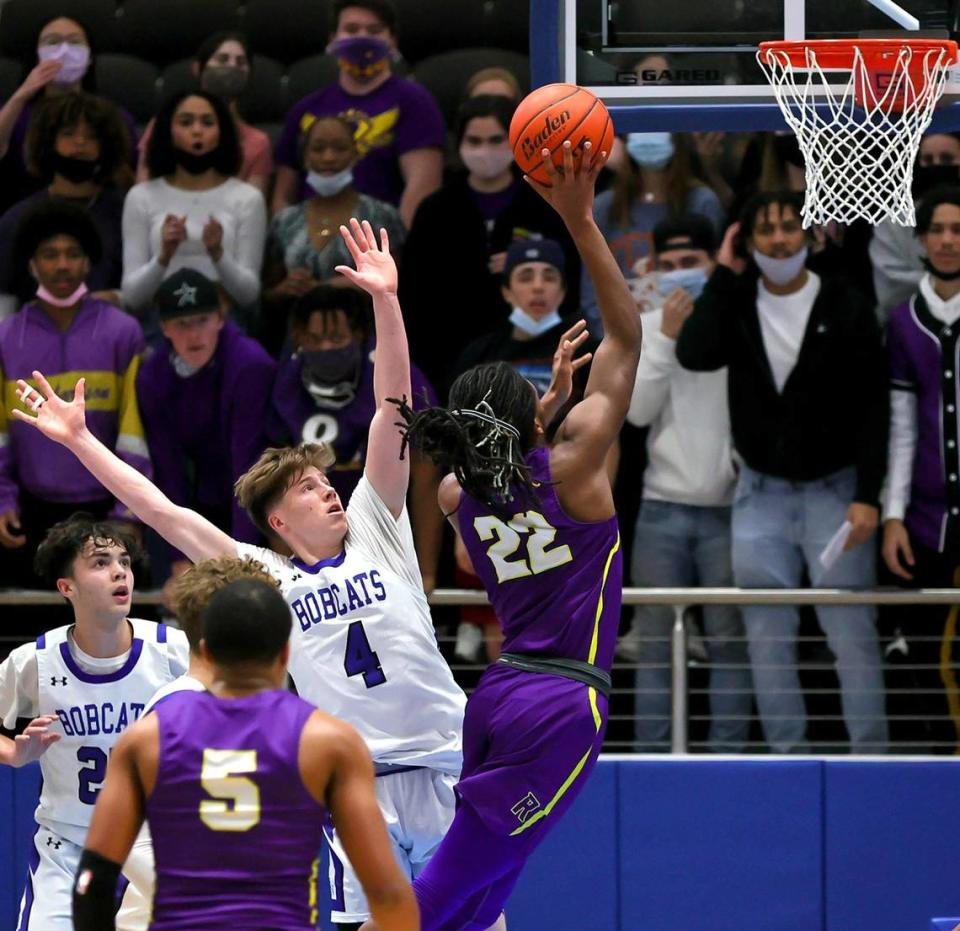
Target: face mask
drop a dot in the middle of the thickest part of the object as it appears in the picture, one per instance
(530, 325)
(926, 177)
(788, 150)
(330, 185)
(781, 271)
(650, 150)
(362, 57)
(182, 367)
(48, 298)
(76, 170)
(692, 280)
(195, 164)
(74, 61)
(331, 375)
(226, 81)
(485, 161)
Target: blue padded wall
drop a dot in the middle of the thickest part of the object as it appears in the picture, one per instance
(891, 844)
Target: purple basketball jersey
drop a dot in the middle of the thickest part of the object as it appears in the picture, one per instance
(236, 835)
(555, 583)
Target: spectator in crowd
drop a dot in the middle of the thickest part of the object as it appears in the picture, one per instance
(655, 181)
(399, 129)
(895, 252)
(324, 394)
(65, 57)
(682, 536)
(223, 65)
(65, 332)
(921, 530)
(534, 286)
(204, 399)
(305, 246)
(494, 82)
(808, 409)
(490, 207)
(77, 145)
(194, 212)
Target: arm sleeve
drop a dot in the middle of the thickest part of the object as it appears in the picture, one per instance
(240, 272)
(19, 689)
(250, 406)
(9, 489)
(131, 439)
(704, 341)
(142, 273)
(95, 893)
(658, 362)
(903, 446)
(869, 371)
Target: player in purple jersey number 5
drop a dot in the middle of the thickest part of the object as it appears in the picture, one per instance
(235, 800)
(540, 527)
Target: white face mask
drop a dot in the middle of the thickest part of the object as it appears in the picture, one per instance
(183, 368)
(781, 271)
(486, 161)
(330, 185)
(531, 325)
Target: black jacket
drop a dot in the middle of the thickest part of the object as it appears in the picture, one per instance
(833, 412)
(448, 295)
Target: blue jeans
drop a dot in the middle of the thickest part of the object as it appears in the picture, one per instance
(778, 528)
(679, 545)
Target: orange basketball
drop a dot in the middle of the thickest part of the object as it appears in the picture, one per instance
(549, 116)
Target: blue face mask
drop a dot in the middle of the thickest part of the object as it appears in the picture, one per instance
(692, 280)
(530, 325)
(650, 150)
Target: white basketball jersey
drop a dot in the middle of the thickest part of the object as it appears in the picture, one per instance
(93, 711)
(363, 646)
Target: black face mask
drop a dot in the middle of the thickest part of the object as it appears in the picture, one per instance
(195, 164)
(943, 276)
(331, 375)
(788, 150)
(76, 170)
(926, 177)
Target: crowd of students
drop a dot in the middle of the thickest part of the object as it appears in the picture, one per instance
(186, 269)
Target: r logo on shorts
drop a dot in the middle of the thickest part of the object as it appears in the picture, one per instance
(526, 807)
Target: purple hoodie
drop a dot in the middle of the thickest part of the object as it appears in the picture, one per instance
(103, 345)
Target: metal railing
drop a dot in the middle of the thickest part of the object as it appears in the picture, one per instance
(677, 598)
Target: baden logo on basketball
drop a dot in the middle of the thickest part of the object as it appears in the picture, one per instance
(532, 145)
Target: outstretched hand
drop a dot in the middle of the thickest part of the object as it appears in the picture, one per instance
(564, 365)
(570, 191)
(376, 272)
(61, 421)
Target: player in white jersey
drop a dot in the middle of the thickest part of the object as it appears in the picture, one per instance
(81, 686)
(364, 647)
(190, 593)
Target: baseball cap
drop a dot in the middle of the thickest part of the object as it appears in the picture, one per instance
(186, 292)
(690, 231)
(534, 250)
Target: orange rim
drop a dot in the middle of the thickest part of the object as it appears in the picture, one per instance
(840, 53)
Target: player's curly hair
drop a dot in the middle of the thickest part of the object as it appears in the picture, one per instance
(67, 540)
(482, 435)
(192, 590)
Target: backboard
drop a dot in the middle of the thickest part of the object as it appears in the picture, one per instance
(686, 65)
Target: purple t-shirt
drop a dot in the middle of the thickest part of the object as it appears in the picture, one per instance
(398, 117)
(924, 360)
(554, 582)
(298, 419)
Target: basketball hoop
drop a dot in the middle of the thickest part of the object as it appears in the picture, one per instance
(860, 137)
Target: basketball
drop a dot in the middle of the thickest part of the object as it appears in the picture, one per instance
(549, 116)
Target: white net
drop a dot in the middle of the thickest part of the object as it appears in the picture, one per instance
(858, 143)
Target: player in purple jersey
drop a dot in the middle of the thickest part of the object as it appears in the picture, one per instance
(236, 800)
(540, 527)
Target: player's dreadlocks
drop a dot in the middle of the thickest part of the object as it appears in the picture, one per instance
(482, 435)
